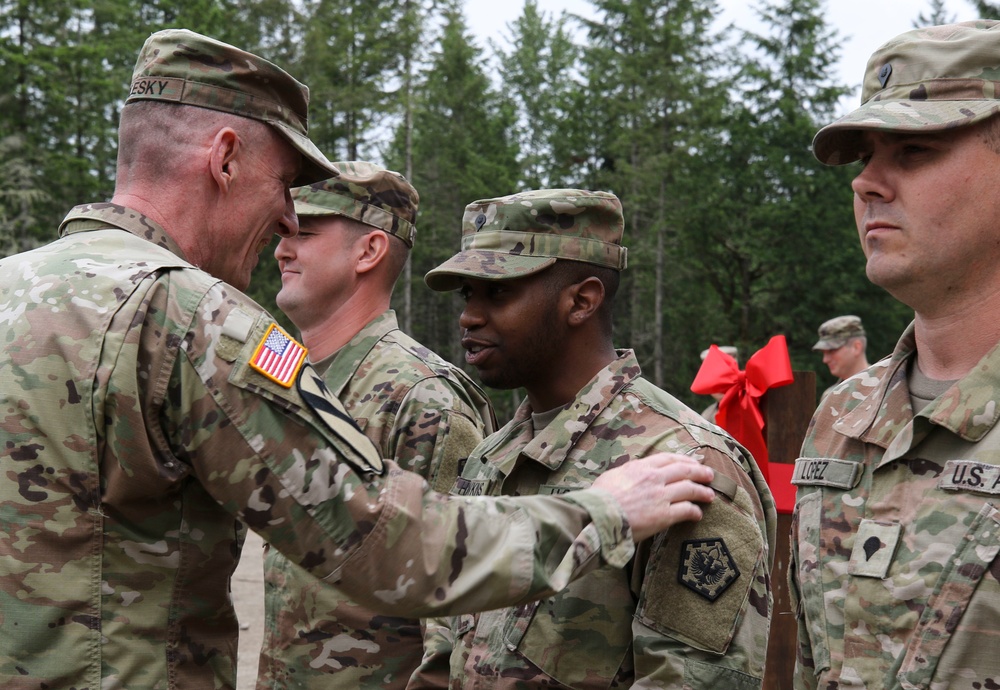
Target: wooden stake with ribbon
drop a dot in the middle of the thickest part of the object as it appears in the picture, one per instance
(739, 410)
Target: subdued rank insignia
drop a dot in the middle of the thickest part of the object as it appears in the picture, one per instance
(359, 449)
(278, 356)
(874, 548)
(707, 567)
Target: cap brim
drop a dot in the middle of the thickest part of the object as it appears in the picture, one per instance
(841, 142)
(315, 166)
(483, 265)
(829, 344)
(306, 209)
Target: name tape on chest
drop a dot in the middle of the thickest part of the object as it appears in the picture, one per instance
(969, 475)
(470, 487)
(557, 489)
(840, 474)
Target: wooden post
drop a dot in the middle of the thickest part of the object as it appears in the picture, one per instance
(787, 411)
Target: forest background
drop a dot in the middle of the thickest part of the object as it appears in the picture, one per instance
(735, 232)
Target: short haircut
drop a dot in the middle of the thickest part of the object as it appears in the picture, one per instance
(564, 273)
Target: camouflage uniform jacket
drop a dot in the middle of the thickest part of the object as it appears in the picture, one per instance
(135, 436)
(896, 533)
(427, 415)
(691, 610)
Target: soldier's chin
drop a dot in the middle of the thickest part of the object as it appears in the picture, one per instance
(496, 380)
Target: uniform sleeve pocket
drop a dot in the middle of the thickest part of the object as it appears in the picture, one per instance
(700, 580)
(805, 579)
(698, 674)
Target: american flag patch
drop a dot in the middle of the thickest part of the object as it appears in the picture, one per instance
(278, 356)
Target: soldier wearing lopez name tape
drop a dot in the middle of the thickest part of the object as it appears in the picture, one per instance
(151, 410)
(896, 529)
(538, 272)
(355, 235)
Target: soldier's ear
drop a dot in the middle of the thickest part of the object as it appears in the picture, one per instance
(587, 297)
(222, 158)
(372, 248)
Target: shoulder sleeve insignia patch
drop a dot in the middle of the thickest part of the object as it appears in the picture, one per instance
(357, 449)
(278, 356)
(707, 567)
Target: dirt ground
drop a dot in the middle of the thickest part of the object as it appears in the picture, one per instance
(248, 598)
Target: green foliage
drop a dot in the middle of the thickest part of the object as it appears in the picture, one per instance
(937, 15)
(349, 57)
(984, 8)
(537, 75)
(19, 193)
(649, 82)
(790, 231)
(66, 66)
(50, 76)
(462, 149)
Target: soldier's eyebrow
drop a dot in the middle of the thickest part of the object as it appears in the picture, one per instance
(934, 136)
(923, 136)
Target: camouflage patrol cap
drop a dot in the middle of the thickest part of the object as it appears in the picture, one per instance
(180, 66)
(521, 234)
(928, 79)
(367, 193)
(726, 349)
(837, 331)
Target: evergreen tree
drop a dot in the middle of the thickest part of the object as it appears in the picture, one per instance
(537, 75)
(985, 9)
(48, 75)
(412, 27)
(735, 231)
(351, 52)
(937, 15)
(648, 103)
(18, 193)
(463, 149)
(66, 66)
(271, 28)
(777, 240)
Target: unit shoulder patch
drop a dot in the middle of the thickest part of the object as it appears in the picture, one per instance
(699, 577)
(707, 567)
(359, 449)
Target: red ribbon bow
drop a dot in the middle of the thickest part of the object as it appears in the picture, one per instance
(739, 410)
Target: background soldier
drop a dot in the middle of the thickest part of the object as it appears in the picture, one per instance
(713, 409)
(843, 342)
